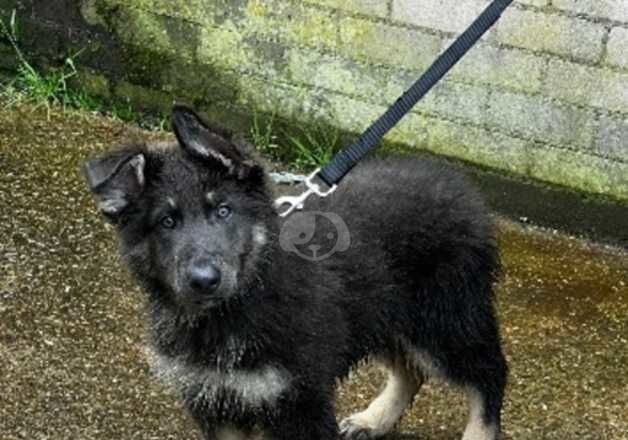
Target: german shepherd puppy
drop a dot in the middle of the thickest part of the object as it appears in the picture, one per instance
(253, 333)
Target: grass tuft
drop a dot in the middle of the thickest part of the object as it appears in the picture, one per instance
(299, 148)
(54, 88)
(312, 147)
(35, 88)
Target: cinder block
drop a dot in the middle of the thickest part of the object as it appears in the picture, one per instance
(356, 116)
(285, 22)
(342, 75)
(382, 43)
(155, 33)
(292, 102)
(302, 25)
(195, 11)
(538, 119)
(382, 86)
(352, 114)
(477, 145)
(608, 9)
(226, 49)
(611, 138)
(551, 33)
(221, 48)
(579, 171)
(376, 8)
(456, 100)
(509, 68)
(585, 85)
(443, 15)
(617, 50)
(410, 131)
(143, 97)
(537, 3)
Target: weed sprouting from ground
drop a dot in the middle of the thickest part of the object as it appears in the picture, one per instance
(300, 148)
(312, 147)
(53, 88)
(33, 87)
(262, 134)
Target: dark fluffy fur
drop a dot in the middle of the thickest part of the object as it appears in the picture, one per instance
(418, 274)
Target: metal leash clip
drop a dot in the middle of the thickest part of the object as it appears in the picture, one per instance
(296, 202)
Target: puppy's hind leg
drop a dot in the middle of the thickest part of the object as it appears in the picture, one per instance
(485, 396)
(384, 412)
(480, 425)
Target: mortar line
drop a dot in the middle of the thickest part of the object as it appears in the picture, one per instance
(455, 120)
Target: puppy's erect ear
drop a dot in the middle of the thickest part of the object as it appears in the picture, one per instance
(201, 141)
(115, 180)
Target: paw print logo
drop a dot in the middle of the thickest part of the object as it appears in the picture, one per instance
(314, 235)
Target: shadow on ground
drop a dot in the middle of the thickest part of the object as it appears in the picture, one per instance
(71, 336)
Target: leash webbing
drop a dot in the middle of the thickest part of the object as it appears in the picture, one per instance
(346, 159)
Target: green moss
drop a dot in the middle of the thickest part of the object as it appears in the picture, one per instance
(257, 8)
(293, 23)
(92, 13)
(142, 97)
(221, 48)
(315, 29)
(529, 30)
(580, 171)
(161, 34)
(377, 8)
(380, 43)
(93, 83)
(151, 44)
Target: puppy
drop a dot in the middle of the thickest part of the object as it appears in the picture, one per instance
(252, 327)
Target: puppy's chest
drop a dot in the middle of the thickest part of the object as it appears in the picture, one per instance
(211, 386)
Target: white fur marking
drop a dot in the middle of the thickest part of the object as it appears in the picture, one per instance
(420, 359)
(384, 412)
(208, 152)
(138, 163)
(162, 146)
(476, 428)
(254, 387)
(113, 203)
(259, 234)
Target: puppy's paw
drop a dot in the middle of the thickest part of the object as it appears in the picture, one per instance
(351, 429)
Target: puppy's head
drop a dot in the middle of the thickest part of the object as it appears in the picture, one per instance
(194, 221)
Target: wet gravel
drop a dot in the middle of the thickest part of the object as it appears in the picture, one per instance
(71, 330)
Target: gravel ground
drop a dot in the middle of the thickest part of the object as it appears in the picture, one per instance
(71, 330)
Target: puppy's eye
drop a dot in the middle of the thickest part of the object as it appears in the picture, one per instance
(168, 222)
(223, 211)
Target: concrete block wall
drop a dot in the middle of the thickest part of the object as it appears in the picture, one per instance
(543, 96)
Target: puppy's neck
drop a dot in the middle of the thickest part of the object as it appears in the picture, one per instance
(220, 336)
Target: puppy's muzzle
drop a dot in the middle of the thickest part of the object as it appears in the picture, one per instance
(203, 277)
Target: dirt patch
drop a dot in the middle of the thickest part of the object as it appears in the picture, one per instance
(71, 329)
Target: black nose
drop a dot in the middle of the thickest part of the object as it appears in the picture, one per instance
(204, 278)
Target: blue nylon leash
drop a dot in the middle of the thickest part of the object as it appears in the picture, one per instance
(332, 173)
